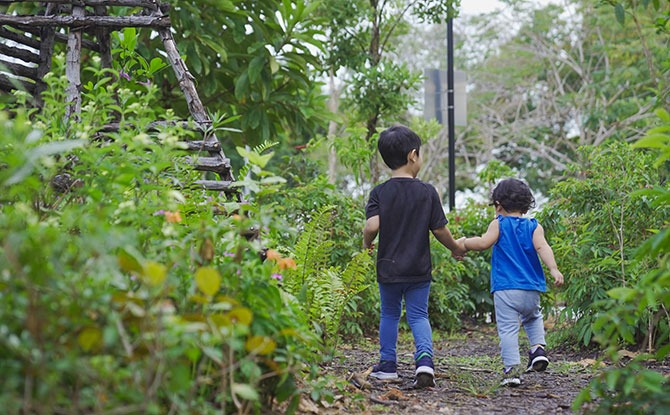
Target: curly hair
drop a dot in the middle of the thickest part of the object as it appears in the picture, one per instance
(513, 195)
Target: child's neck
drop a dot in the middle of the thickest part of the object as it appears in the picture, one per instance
(501, 211)
(404, 172)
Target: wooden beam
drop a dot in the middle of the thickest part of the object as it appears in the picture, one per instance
(19, 70)
(211, 147)
(217, 185)
(116, 22)
(147, 4)
(11, 84)
(19, 53)
(20, 38)
(214, 164)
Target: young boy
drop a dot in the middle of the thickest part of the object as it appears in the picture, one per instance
(403, 210)
(517, 278)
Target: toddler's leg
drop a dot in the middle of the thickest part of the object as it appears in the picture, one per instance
(391, 308)
(507, 322)
(416, 304)
(531, 318)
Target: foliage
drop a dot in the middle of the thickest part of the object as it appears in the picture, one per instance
(544, 82)
(256, 60)
(323, 290)
(118, 289)
(361, 45)
(461, 289)
(595, 221)
(632, 388)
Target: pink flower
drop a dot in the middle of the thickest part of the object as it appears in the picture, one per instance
(277, 277)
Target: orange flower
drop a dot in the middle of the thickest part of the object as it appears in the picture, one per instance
(173, 217)
(287, 263)
(273, 255)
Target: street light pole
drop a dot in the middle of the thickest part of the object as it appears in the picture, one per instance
(450, 113)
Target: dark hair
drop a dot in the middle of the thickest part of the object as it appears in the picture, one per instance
(395, 143)
(513, 195)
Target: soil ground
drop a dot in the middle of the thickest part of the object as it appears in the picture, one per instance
(468, 370)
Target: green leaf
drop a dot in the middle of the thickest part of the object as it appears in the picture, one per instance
(620, 13)
(622, 293)
(128, 263)
(245, 391)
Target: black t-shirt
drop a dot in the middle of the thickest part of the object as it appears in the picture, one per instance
(408, 210)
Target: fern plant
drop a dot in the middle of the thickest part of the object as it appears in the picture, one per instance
(322, 289)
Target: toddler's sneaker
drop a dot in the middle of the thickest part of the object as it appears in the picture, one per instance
(425, 374)
(511, 377)
(537, 361)
(384, 370)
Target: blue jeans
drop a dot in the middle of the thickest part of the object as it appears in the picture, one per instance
(416, 306)
(512, 306)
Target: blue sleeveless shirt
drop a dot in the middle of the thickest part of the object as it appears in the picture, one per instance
(515, 264)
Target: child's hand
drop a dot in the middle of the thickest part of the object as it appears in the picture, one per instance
(558, 277)
(460, 251)
(370, 249)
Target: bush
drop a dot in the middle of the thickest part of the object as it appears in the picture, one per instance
(595, 220)
(637, 307)
(118, 291)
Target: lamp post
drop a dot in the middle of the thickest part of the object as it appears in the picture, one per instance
(450, 112)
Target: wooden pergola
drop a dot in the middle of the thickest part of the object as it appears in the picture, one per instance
(27, 43)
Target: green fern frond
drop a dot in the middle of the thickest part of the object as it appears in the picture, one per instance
(324, 290)
(255, 156)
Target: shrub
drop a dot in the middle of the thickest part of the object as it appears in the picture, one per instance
(121, 292)
(594, 221)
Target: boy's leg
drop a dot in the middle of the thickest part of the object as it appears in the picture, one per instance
(416, 304)
(391, 308)
(507, 322)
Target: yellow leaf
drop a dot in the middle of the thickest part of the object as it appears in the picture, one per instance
(260, 345)
(200, 299)
(154, 273)
(89, 338)
(208, 280)
(240, 315)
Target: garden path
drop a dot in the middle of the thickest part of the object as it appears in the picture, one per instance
(467, 374)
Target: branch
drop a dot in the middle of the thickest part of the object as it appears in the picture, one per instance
(85, 21)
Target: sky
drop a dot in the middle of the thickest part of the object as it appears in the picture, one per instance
(485, 6)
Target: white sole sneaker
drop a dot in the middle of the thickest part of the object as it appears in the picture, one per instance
(384, 375)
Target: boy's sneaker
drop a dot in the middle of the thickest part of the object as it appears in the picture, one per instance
(511, 377)
(537, 361)
(384, 370)
(425, 373)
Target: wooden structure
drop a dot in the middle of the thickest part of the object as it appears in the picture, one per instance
(27, 43)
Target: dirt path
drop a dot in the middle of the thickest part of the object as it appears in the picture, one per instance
(467, 374)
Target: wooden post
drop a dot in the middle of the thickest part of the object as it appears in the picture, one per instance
(104, 39)
(73, 68)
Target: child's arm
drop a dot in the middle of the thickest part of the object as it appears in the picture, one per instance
(444, 236)
(546, 254)
(480, 243)
(370, 231)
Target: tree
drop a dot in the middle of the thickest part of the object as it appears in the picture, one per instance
(361, 42)
(567, 78)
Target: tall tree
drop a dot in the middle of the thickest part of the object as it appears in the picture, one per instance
(362, 38)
